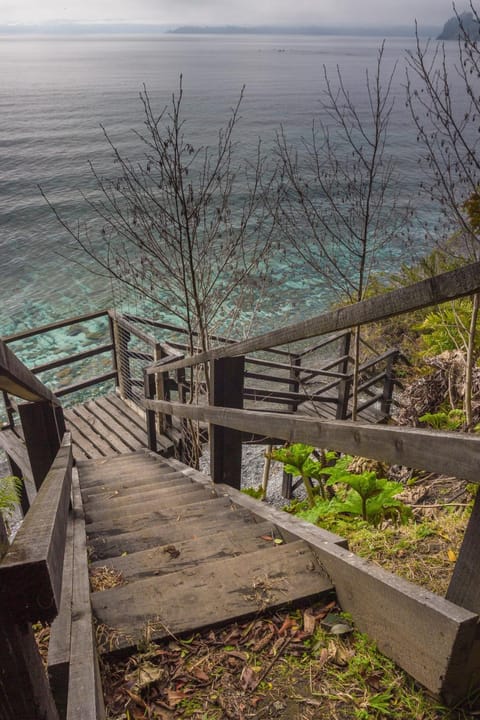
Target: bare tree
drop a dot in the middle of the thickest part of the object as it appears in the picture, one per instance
(187, 227)
(444, 100)
(339, 206)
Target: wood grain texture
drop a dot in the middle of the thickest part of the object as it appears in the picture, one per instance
(84, 699)
(431, 638)
(58, 663)
(244, 585)
(24, 690)
(438, 289)
(163, 560)
(464, 588)
(444, 452)
(31, 570)
(155, 534)
(19, 381)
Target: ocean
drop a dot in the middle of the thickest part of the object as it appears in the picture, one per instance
(55, 93)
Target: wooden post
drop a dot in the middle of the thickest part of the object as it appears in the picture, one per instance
(345, 384)
(3, 537)
(295, 361)
(150, 386)
(388, 385)
(115, 361)
(121, 338)
(43, 428)
(464, 588)
(24, 690)
(226, 444)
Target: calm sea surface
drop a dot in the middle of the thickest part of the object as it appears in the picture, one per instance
(55, 93)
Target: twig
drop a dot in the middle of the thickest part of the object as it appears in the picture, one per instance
(266, 670)
(441, 505)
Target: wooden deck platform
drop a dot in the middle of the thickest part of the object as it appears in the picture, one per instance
(108, 426)
(186, 556)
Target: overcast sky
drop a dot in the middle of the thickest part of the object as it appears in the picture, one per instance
(217, 12)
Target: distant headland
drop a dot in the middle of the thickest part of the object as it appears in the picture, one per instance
(390, 31)
(460, 25)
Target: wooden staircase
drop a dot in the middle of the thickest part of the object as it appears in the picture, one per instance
(187, 556)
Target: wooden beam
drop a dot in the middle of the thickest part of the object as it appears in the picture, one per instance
(99, 350)
(31, 570)
(432, 639)
(464, 588)
(17, 379)
(53, 326)
(226, 443)
(43, 427)
(24, 689)
(444, 452)
(435, 290)
(85, 701)
(59, 645)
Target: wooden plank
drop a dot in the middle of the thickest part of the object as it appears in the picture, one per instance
(158, 516)
(18, 380)
(86, 424)
(83, 446)
(84, 698)
(225, 443)
(428, 636)
(156, 534)
(59, 644)
(244, 586)
(107, 428)
(128, 482)
(114, 520)
(435, 290)
(31, 570)
(106, 506)
(24, 690)
(43, 427)
(14, 447)
(172, 558)
(444, 452)
(290, 525)
(54, 326)
(97, 380)
(69, 359)
(465, 582)
(124, 416)
(128, 434)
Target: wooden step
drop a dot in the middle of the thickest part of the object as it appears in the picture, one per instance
(101, 493)
(132, 482)
(127, 498)
(158, 533)
(119, 519)
(181, 555)
(209, 594)
(122, 522)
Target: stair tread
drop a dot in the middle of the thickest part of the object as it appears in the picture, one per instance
(165, 559)
(210, 593)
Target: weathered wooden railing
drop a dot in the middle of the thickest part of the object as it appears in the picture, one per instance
(31, 569)
(436, 640)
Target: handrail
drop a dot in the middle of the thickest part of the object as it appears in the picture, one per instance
(447, 286)
(444, 452)
(53, 326)
(18, 380)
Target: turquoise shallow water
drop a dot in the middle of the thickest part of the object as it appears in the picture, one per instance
(54, 93)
